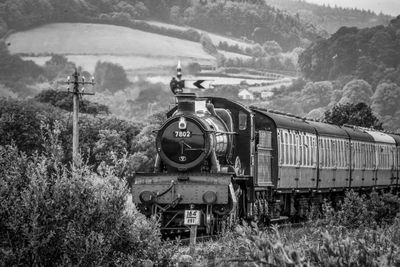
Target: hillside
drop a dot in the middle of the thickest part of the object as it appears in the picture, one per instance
(258, 22)
(370, 54)
(330, 18)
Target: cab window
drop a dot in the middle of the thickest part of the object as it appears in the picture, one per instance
(242, 120)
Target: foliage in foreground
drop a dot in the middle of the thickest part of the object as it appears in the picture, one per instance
(52, 216)
(341, 238)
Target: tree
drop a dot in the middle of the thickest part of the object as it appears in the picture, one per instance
(175, 15)
(207, 44)
(259, 35)
(110, 76)
(193, 68)
(356, 91)
(316, 95)
(14, 69)
(109, 147)
(386, 99)
(257, 51)
(359, 114)
(366, 68)
(63, 100)
(20, 123)
(316, 114)
(272, 48)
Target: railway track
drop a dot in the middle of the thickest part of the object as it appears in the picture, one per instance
(184, 238)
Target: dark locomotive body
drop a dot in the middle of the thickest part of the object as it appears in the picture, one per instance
(231, 161)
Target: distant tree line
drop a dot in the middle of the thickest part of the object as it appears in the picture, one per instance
(372, 54)
(256, 22)
(330, 18)
(352, 66)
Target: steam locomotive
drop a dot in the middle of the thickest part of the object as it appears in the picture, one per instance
(219, 160)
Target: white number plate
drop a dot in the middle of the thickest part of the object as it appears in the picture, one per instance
(182, 134)
(192, 217)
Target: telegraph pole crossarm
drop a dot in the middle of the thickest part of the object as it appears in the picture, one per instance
(76, 84)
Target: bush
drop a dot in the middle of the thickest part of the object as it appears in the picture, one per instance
(52, 216)
(362, 211)
(207, 44)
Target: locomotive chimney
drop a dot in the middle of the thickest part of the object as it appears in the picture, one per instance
(186, 103)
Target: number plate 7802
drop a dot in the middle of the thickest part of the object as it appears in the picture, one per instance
(182, 134)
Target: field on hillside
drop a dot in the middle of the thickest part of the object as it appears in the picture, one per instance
(82, 38)
(135, 50)
(85, 44)
(142, 54)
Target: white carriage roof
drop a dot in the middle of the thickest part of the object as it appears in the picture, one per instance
(380, 137)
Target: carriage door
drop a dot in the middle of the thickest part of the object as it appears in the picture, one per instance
(264, 157)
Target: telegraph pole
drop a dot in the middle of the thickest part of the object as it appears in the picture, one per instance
(76, 84)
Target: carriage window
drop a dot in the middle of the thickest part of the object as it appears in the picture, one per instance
(303, 145)
(329, 152)
(340, 153)
(322, 153)
(301, 150)
(357, 155)
(362, 152)
(393, 155)
(313, 151)
(307, 150)
(286, 148)
(324, 149)
(242, 120)
(331, 148)
(290, 148)
(343, 153)
(335, 153)
(372, 156)
(374, 159)
(326, 153)
(282, 147)
(295, 158)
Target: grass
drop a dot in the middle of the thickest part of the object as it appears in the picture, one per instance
(83, 38)
(85, 44)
